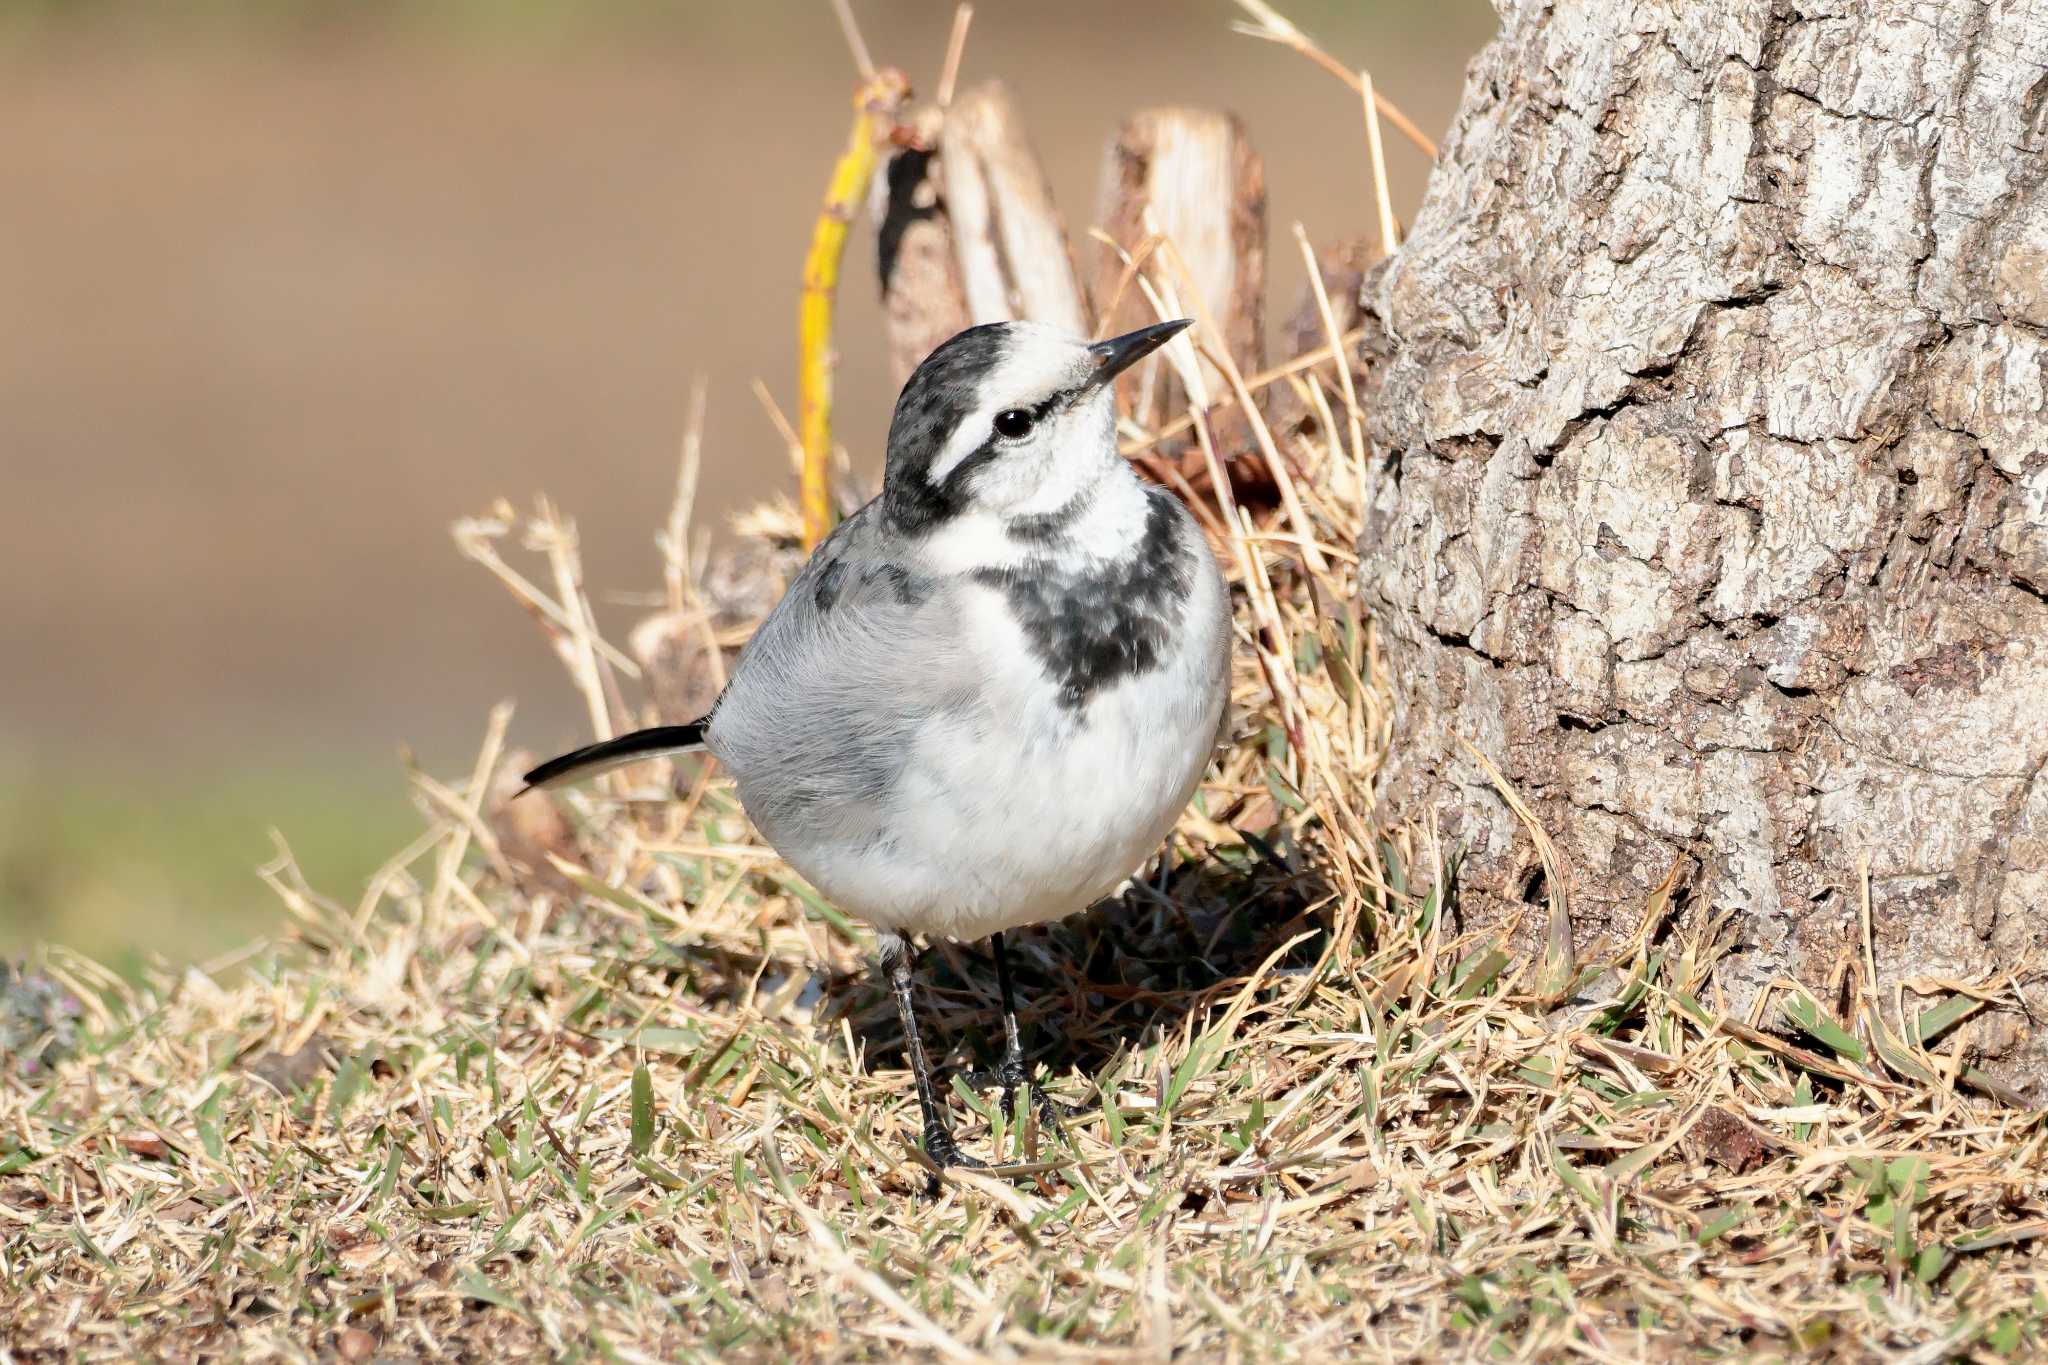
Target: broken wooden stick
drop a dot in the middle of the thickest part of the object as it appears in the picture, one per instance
(1193, 175)
(968, 231)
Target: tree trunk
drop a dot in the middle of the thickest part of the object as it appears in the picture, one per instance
(1713, 385)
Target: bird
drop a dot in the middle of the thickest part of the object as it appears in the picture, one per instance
(986, 697)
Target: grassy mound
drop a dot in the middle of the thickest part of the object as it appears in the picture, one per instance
(603, 1079)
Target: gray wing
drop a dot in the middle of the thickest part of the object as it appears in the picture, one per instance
(819, 716)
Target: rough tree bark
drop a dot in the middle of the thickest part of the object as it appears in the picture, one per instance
(1713, 385)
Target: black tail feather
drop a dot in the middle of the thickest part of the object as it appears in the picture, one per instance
(605, 755)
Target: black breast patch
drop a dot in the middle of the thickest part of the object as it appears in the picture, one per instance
(1093, 629)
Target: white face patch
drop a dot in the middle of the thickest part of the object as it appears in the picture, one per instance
(1100, 531)
(1037, 362)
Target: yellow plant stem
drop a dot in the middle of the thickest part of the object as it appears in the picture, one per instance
(875, 105)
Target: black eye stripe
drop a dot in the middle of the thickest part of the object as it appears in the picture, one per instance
(932, 413)
(955, 487)
(1032, 415)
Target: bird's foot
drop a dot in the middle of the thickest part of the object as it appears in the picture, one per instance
(1050, 1112)
(943, 1151)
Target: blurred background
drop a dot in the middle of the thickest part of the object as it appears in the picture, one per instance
(286, 286)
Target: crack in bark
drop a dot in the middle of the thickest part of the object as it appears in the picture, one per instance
(1984, 906)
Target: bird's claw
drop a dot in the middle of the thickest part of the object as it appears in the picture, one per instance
(1050, 1111)
(943, 1151)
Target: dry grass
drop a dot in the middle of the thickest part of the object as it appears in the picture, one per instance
(619, 1085)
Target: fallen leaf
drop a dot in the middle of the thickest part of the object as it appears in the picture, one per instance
(1726, 1141)
(286, 1072)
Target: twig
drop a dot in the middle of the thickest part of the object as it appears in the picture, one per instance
(1307, 360)
(1390, 236)
(855, 44)
(956, 48)
(793, 444)
(1558, 965)
(1275, 29)
(875, 106)
(1338, 347)
(1226, 365)
(473, 537)
(674, 540)
(449, 865)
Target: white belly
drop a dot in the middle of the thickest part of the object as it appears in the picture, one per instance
(1022, 810)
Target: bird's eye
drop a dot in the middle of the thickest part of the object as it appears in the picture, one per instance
(1013, 423)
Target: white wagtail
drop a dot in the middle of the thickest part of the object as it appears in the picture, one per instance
(989, 693)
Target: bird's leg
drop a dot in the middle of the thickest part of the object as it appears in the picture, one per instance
(938, 1139)
(1011, 1071)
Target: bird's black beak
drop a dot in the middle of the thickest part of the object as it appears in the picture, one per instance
(1114, 356)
